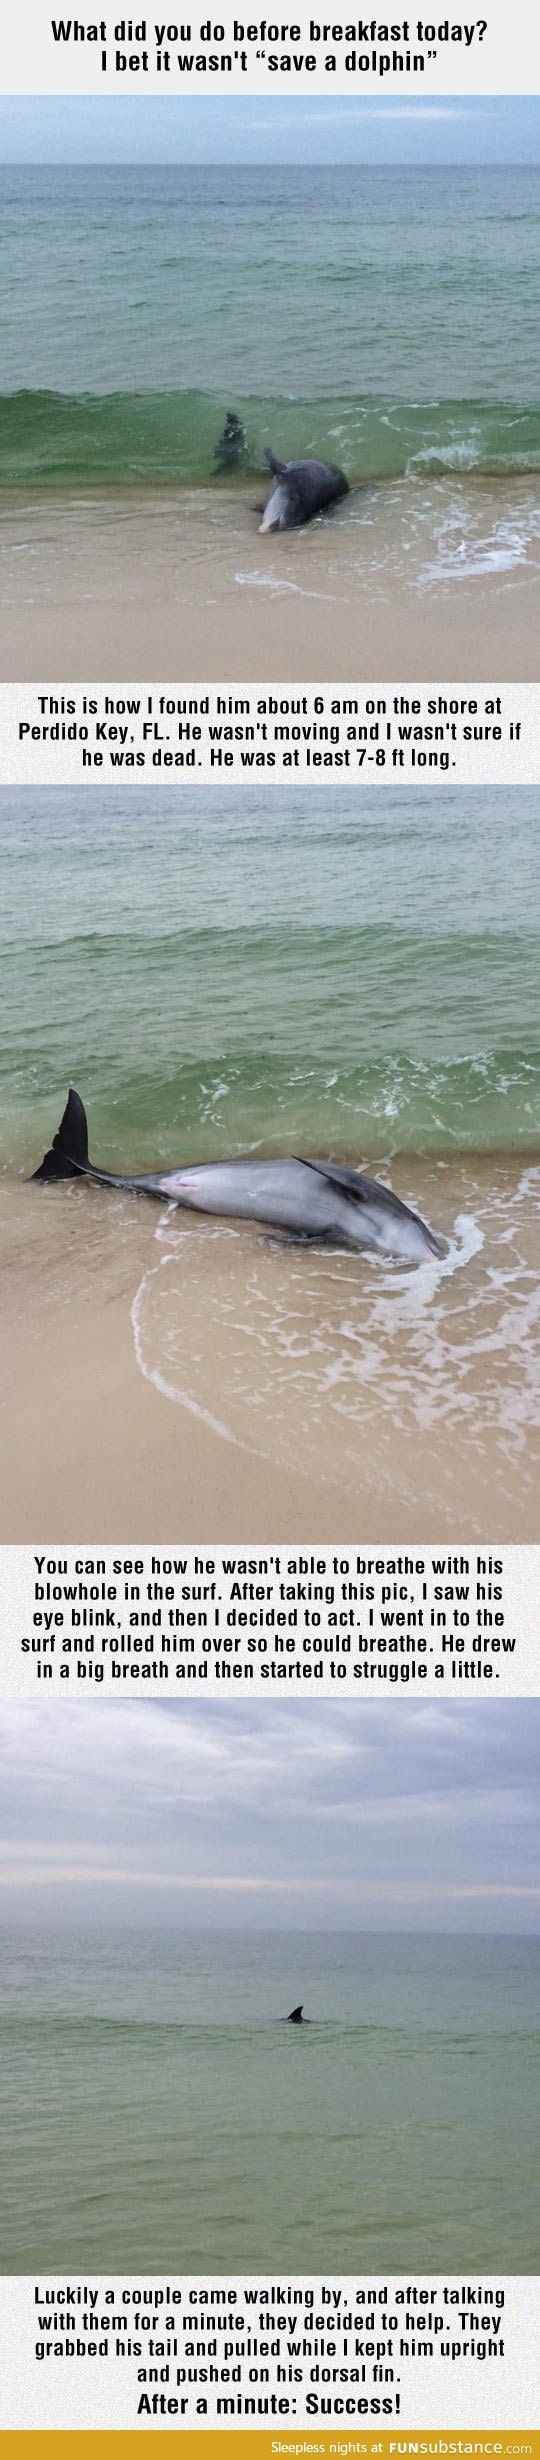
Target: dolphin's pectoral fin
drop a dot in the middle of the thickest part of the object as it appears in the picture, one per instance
(367, 1191)
(68, 1154)
(355, 1185)
(348, 1180)
(278, 1238)
(278, 468)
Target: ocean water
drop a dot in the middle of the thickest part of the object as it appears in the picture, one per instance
(157, 2115)
(348, 972)
(386, 318)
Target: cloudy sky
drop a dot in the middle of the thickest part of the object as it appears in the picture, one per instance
(131, 128)
(392, 1815)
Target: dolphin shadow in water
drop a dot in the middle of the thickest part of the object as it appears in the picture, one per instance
(301, 490)
(308, 1199)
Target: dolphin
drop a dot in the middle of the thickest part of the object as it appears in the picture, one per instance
(308, 1199)
(301, 489)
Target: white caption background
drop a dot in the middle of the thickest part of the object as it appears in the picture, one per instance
(364, 1620)
(421, 734)
(449, 2386)
(461, 52)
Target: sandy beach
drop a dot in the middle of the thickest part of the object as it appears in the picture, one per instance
(174, 1375)
(420, 579)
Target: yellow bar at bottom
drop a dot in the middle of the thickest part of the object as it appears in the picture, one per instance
(294, 2443)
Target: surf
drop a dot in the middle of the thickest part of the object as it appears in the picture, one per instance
(145, 438)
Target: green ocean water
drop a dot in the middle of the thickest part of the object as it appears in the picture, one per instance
(386, 318)
(156, 2115)
(349, 972)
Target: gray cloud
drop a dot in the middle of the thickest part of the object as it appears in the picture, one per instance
(403, 1815)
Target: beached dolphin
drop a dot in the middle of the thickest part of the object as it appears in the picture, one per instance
(301, 489)
(309, 1200)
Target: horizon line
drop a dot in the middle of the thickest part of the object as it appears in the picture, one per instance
(48, 163)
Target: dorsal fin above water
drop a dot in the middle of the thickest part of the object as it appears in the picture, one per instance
(296, 2014)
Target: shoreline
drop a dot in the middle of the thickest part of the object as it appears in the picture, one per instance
(420, 579)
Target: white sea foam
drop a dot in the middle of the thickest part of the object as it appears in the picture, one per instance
(278, 586)
(148, 1366)
(305, 1355)
(471, 543)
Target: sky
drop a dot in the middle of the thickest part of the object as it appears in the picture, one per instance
(119, 129)
(269, 1815)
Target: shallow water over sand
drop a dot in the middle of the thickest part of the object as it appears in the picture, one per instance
(420, 578)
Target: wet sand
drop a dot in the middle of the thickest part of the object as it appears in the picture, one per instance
(417, 580)
(165, 1376)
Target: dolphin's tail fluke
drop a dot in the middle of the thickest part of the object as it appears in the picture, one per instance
(68, 1155)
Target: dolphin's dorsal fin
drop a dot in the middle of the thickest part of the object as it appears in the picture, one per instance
(277, 467)
(296, 2014)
